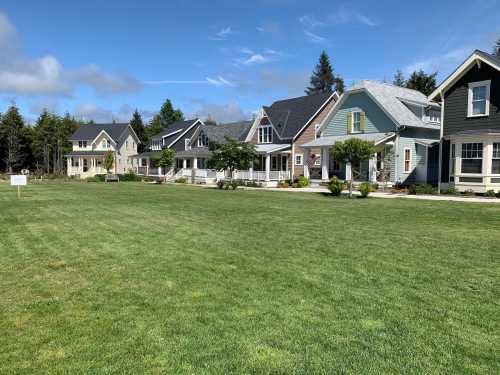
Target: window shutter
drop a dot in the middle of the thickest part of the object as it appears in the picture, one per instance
(362, 118)
(349, 122)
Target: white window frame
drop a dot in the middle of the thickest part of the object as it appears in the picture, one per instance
(472, 86)
(202, 140)
(493, 157)
(353, 127)
(407, 170)
(82, 144)
(267, 131)
(316, 128)
(462, 158)
(301, 159)
(187, 146)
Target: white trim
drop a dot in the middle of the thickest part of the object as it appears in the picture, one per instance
(459, 72)
(472, 86)
(185, 131)
(256, 124)
(260, 131)
(98, 135)
(301, 159)
(327, 101)
(407, 171)
(170, 134)
(352, 131)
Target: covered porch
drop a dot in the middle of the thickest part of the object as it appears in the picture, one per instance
(378, 169)
(85, 163)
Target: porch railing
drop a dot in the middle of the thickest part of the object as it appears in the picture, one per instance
(261, 175)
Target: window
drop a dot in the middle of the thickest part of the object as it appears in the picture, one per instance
(407, 160)
(495, 162)
(317, 160)
(479, 99)
(75, 162)
(453, 156)
(284, 162)
(274, 163)
(187, 146)
(316, 129)
(472, 158)
(265, 134)
(82, 144)
(356, 122)
(202, 140)
(106, 143)
(299, 159)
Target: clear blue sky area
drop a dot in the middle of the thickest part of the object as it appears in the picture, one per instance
(102, 59)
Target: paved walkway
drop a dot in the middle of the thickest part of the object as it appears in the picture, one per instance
(450, 198)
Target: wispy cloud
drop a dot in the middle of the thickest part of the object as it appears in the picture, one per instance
(345, 16)
(221, 112)
(254, 58)
(440, 63)
(219, 81)
(310, 22)
(315, 38)
(222, 34)
(271, 28)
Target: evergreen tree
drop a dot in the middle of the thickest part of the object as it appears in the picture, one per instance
(425, 83)
(496, 48)
(210, 121)
(399, 79)
(66, 126)
(323, 78)
(139, 129)
(168, 115)
(12, 137)
(154, 127)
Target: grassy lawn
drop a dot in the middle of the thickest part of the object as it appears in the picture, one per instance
(141, 279)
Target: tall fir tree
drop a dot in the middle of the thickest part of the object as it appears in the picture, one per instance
(420, 81)
(138, 125)
(496, 48)
(168, 115)
(44, 135)
(399, 79)
(12, 138)
(154, 127)
(323, 78)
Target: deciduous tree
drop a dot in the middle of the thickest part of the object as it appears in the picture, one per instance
(232, 155)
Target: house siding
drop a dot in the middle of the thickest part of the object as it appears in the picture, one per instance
(307, 135)
(376, 120)
(456, 102)
(179, 145)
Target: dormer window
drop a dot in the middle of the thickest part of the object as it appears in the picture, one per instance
(187, 145)
(356, 122)
(479, 99)
(265, 134)
(82, 144)
(202, 140)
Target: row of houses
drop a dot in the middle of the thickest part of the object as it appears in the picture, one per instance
(451, 138)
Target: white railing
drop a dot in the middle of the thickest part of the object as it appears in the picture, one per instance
(142, 170)
(279, 175)
(261, 175)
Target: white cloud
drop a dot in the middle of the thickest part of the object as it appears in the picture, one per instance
(440, 63)
(315, 38)
(255, 58)
(45, 75)
(91, 111)
(310, 21)
(222, 113)
(346, 16)
(219, 81)
(222, 34)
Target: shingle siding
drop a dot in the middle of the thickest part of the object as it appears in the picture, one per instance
(456, 102)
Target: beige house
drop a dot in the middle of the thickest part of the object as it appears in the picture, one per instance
(92, 141)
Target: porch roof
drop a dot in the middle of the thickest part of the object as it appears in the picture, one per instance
(147, 154)
(427, 142)
(269, 148)
(86, 153)
(377, 138)
(196, 152)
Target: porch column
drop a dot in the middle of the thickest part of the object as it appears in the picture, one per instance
(184, 163)
(306, 163)
(372, 169)
(324, 164)
(147, 166)
(268, 166)
(195, 163)
(159, 171)
(80, 164)
(348, 175)
(250, 173)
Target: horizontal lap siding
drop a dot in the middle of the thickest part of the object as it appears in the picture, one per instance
(376, 120)
(456, 102)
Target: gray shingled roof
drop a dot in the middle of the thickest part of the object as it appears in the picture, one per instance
(391, 98)
(89, 132)
(234, 130)
(330, 140)
(290, 115)
(176, 126)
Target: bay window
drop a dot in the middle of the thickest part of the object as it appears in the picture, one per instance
(472, 158)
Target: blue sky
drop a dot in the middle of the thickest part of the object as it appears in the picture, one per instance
(102, 59)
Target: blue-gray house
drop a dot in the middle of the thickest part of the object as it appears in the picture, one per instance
(403, 124)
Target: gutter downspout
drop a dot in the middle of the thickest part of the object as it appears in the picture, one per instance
(441, 131)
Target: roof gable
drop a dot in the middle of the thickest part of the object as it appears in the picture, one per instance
(88, 132)
(477, 57)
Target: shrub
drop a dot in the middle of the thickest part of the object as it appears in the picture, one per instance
(412, 190)
(373, 187)
(303, 182)
(93, 179)
(468, 192)
(283, 184)
(234, 184)
(425, 189)
(335, 185)
(451, 191)
(181, 180)
(365, 189)
(220, 184)
(129, 176)
(490, 193)
(253, 184)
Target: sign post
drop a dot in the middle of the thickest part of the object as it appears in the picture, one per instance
(18, 180)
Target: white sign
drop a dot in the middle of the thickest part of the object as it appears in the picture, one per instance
(18, 180)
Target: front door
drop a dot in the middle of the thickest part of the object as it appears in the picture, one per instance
(85, 165)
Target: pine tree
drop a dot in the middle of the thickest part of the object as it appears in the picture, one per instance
(168, 115)
(12, 135)
(210, 121)
(154, 126)
(399, 79)
(323, 78)
(496, 48)
(420, 81)
(139, 129)
(44, 134)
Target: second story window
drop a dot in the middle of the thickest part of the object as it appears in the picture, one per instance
(356, 122)
(316, 130)
(82, 144)
(265, 134)
(479, 99)
(187, 144)
(202, 140)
